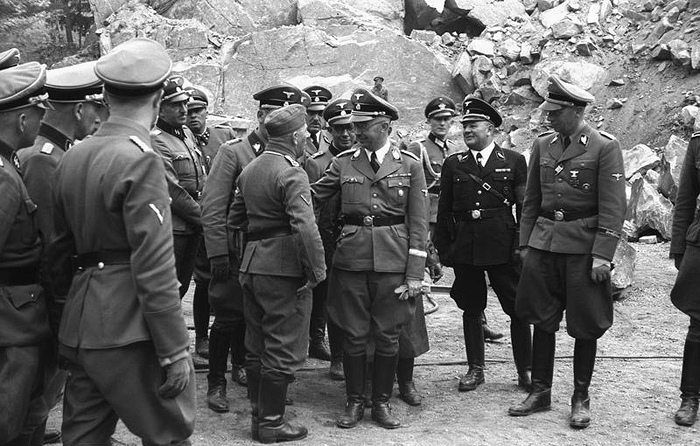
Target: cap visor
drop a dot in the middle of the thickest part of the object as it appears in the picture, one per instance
(178, 98)
(196, 104)
(356, 118)
(442, 114)
(341, 120)
(550, 106)
(316, 107)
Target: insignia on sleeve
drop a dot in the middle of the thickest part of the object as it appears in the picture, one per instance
(617, 176)
(140, 144)
(47, 148)
(155, 209)
(411, 154)
(291, 160)
(607, 135)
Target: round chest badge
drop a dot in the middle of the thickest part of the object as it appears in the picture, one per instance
(586, 187)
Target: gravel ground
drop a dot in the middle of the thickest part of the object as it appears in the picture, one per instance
(633, 395)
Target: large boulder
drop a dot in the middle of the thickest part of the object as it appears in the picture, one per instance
(462, 73)
(305, 55)
(674, 154)
(584, 74)
(639, 158)
(554, 15)
(648, 210)
(624, 260)
(489, 12)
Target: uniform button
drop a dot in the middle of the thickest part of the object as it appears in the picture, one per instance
(100, 265)
(560, 180)
(477, 203)
(558, 195)
(374, 206)
(374, 194)
(478, 192)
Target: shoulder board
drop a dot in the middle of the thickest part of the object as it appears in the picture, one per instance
(411, 154)
(141, 145)
(695, 135)
(233, 141)
(222, 126)
(317, 154)
(2, 164)
(346, 153)
(291, 160)
(155, 132)
(47, 148)
(607, 135)
(548, 132)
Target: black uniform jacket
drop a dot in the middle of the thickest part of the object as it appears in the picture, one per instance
(474, 225)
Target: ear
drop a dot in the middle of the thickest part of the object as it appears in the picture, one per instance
(22, 122)
(78, 111)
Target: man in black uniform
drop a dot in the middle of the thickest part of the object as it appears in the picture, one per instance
(685, 251)
(186, 174)
(223, 242)
(571, 222)
(24, 324)
(208, 141)
(283, 261)
(337, 114)
(476, 233)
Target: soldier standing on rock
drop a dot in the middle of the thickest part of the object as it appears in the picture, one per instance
(685, 251)
(571, 222)
(476, 234)
(381, 250)
(224, 242)
(380, 90)
(208, 140)
(338, 116)
(282, 263)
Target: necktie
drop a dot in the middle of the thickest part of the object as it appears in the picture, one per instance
(374, 162)
(479, 160)
(315, 139)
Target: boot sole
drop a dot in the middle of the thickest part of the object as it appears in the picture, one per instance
(579, 425)
(469, 388)
(281, 440)
(513, 413)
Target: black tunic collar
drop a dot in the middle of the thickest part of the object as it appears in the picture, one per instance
(175, 131)
(55, 136)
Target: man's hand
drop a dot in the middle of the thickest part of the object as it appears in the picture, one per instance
(307, 287)
(677, 260)
(600, 273)
(220, 268)
(178, 376)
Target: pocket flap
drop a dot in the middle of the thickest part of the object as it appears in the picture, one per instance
(181, 156)
(21, 295)
(503, 176)
(398, 182)
(31, 207)
(584, 164)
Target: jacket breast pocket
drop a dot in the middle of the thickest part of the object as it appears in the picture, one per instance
(584, 175)
(547, 172)
(351, 189)
(460, 185)
(398, 190)
(183, 165)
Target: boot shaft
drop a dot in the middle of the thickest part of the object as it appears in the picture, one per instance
(383, 377)
(543, 348)
(474, 341)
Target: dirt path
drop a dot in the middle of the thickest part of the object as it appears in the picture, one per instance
(633, 395)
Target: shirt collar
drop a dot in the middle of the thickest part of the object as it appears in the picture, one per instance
(485, 152)
(381, 152)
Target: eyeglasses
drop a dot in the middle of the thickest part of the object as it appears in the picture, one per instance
(364, 126)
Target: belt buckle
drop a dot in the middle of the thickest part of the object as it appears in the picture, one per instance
(476, 214)
(368, 220)
(559, 215)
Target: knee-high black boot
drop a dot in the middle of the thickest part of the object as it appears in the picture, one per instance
(690, 385)
(354, 368)
(540, 397)
(253, 378)
(382, 386)
(273, 427)
(407, 387)
(317, 325)
(219, 344)
(584, 362)
(474, 343)
(335, 340)
(521, 341)
(238, 352)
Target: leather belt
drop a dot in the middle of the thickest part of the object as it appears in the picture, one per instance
(25, 275)
(562, 215)
(480, 214)
(100, 259)
(371, 220)
(268, 233)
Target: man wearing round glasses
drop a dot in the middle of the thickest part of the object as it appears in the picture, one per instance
(380, 253)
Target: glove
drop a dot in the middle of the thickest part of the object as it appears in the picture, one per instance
(600, 273)
(220, 268)
(677, 260)
(177, 378)
(412, 288)
(435, 272)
